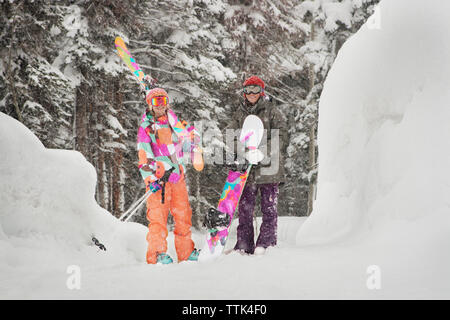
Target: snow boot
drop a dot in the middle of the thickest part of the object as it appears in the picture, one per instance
(259, 251)
(194, 255)
(242, 252)
(164, 258)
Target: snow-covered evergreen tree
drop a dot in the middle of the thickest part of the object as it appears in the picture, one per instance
(62, 79)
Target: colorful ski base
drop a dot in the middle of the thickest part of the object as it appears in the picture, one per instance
(131, 63)
(217, 237)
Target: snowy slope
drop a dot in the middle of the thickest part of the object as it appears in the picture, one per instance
(384, 147)
(47, 217)
(383, 143)
(46, 228)
(47, 203)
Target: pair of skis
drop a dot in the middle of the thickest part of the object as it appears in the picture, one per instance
(218, 220)
(134, 67)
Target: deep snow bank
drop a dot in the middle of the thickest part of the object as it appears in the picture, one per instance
(47, 199)
(383, 134)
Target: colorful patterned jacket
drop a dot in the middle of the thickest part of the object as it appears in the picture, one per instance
(164, 139)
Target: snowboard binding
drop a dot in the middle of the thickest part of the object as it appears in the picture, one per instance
(214, 218)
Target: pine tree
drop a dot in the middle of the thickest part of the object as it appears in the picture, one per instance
(61, 77)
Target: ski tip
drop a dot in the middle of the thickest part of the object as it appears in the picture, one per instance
(199, 166)
(120, 43)
(197, 161)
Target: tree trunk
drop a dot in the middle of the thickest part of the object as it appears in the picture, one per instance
(12, 88)
(81, 119)
(100, 164)
(117, 183)
(312, 164)
(312, 137)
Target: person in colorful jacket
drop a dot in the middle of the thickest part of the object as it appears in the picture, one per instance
(161, 142)
(267, 175)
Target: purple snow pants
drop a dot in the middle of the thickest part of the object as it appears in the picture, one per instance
(268, 232)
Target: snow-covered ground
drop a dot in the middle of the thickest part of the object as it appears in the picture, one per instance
(381, 223)
(384, 147)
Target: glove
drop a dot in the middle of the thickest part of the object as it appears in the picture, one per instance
(154, 186)
(254, 156)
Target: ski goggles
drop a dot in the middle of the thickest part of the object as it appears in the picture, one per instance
(159, 101)
(253, 89)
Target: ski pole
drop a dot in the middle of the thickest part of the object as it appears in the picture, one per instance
(133, 206)
(155, 186)
(138, 206)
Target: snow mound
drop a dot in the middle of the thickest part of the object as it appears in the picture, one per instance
(47, 199)
(383, 136)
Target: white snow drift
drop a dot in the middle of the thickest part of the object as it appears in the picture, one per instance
(384, 139)
(48, 195)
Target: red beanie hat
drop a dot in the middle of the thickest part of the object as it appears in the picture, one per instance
(254, 80)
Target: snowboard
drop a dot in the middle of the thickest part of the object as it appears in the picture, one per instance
(146, 83)
(219, 220)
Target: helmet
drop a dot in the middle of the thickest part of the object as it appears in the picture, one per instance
(256, 81)
(156, 92)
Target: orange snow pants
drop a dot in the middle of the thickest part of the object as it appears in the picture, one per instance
(177, 202)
